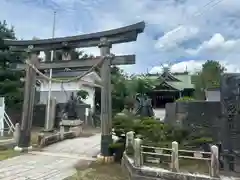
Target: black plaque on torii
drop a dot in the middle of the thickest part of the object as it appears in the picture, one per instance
(104, 40)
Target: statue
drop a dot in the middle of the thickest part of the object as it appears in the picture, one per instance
(143, 106)
(70, 110)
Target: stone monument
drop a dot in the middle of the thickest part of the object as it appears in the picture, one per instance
(70, 117)
(143, 106)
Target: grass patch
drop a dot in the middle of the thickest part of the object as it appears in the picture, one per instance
(9, 153)
(100, 172)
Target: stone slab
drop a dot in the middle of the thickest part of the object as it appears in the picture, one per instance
(71, 123)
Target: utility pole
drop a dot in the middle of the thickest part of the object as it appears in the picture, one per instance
(50, 76)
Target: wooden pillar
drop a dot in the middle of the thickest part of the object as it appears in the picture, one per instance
(28, 103)
(106, 99)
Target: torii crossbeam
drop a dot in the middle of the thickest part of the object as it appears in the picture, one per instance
(104, 40)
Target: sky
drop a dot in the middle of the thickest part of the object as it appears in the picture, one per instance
(180, 33)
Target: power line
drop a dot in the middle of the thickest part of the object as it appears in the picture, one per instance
(200, 12)
(50, 81)
(210, 5)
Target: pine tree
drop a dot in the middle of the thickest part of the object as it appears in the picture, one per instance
(10, 85)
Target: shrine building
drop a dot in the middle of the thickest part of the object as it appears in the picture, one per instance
(171, 87)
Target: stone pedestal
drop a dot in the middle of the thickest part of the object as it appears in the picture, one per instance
(71, 125)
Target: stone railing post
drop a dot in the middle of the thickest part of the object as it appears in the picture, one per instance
(62, 131)
(137, 152)
(129, 139)
(174, 157)
(214, 172)
(16, 133)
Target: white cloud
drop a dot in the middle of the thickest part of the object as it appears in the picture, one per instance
(162, 18)
(216, 44)
(191, 66)
(174, 37)
(194, 66)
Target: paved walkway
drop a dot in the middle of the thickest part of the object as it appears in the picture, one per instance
(56, 162)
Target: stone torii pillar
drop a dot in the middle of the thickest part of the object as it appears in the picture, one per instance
(28, 103)
(106, 98)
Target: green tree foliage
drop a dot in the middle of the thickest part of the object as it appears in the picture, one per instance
(141, 85)
(126, 87)
(119, 88)
(185, 99)
(10, 85)
(208, 77)
(151, 131)
(82, 95)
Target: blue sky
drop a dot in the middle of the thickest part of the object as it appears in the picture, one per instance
(184, 33)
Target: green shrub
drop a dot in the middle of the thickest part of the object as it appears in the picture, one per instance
(152, 132)
(122, 124)
(185, 99)
(117, 150)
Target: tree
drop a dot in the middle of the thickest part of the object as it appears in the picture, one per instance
(141, 85)
(82, 95)
(208, 77)
(10, 85)
(119, 89)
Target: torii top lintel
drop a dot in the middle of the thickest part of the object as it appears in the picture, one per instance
(114, 36)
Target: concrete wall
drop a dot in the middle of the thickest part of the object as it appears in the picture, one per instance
(63, 96)
(196, 116)
(230, 84)
(39, 115)
(212, 95)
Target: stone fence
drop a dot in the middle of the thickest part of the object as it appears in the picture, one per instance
(45, 139)
(136, 156)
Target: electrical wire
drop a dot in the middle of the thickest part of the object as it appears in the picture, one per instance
(213, 4)
(210, 5)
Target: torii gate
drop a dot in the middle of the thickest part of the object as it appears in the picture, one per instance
(104, 41)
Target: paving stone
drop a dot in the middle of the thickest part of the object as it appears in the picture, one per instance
(55, 162)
